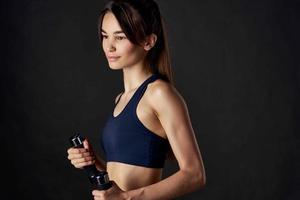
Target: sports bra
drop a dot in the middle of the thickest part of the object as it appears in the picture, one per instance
(125, 139)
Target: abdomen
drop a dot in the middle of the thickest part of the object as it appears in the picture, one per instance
(129, 177)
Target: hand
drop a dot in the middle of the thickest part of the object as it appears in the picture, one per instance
(113, 193)
(81, 157)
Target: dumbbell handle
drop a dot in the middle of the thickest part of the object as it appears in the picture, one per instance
(99, 179)
(77, 142)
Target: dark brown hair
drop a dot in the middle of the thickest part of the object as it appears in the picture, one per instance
(139, 19)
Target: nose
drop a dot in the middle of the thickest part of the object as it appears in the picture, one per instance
(110, 46)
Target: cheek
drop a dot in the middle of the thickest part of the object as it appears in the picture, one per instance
(104, 46)
(131, 52)
(126, 48)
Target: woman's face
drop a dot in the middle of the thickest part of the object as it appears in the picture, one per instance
(119, 51)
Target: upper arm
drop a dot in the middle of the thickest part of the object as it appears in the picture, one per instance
(173, 115)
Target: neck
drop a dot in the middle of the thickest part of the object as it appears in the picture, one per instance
(134, 76)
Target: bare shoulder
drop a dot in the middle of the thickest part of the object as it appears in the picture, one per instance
(163, 94)
(161, 87)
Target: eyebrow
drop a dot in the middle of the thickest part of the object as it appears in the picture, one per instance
(116, 32)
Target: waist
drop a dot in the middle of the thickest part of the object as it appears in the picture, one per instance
(129, 177)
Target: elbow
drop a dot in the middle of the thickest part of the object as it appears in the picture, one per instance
(201, 182)
(195, 175)
(199, 178)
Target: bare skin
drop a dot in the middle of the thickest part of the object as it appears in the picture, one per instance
(131, 177)
(134, 179)
(162, 110)
(127, 177)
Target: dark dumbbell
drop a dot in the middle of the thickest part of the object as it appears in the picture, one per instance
(99, 179)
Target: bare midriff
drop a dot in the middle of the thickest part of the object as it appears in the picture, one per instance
(129, 177)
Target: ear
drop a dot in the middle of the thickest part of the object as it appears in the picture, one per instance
(150, 41)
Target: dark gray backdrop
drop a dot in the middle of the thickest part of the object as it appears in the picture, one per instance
(236, 63)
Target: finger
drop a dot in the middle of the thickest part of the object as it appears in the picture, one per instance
(86, 144)
(80, 155)
(76, 150)
(99, 193)
(83, 164)
(81, 160)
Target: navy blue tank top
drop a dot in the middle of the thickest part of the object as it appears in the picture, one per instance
(125, 139)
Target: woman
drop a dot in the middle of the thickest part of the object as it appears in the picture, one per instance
(150, 117)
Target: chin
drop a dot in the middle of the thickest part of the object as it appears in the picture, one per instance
(114, 66)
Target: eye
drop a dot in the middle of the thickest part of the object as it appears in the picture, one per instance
(104, 36)
(120, 37)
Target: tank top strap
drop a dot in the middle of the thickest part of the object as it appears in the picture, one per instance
(141, 90)
(138, 90)
(134, 100)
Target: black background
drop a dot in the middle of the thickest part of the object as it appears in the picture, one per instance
(236, 63)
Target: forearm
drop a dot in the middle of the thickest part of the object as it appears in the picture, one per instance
(178, 184)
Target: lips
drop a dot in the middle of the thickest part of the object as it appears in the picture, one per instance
(113, 58)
